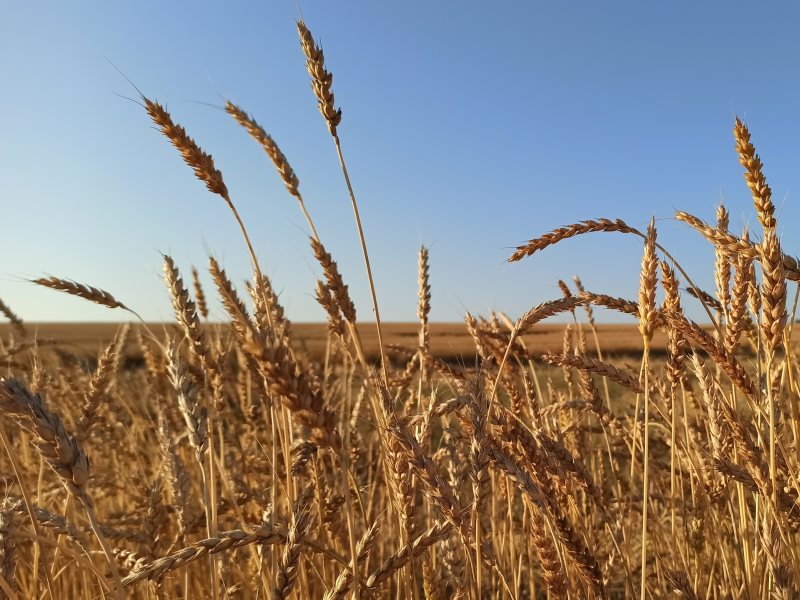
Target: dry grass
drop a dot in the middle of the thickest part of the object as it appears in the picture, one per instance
(253, 457)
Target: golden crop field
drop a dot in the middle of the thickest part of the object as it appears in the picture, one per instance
(499, 457)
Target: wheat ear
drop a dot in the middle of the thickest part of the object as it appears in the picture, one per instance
(275, 154)
(186, 315)
(321, 78)
(59, 450)
(735, 246)
(8, 550)
(224, 540)
(15, 321)
(87, 292)
(424, 302)
(321, 82)
(289, 564)
(345, 579)
(100, 384)
(722, 263)
(201, 163)
(562, 233)
(199, 294)
(604, 369)
(754, 176)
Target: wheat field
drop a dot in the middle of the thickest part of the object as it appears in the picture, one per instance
(241, 460)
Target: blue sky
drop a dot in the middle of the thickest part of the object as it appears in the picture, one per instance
(467, 126)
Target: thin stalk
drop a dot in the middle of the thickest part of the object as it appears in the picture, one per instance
(208, 505)
(772, 433)
(106, 549)
(239, 221)
(26, 498)
(646, 477)
(672, 454)
(366, 258)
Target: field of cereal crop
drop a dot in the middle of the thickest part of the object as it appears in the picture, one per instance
(499, 457)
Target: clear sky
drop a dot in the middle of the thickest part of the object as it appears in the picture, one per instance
(467, 126)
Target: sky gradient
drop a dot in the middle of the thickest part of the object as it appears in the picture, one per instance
(467, 126)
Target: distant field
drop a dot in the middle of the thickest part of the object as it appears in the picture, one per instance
(449, 341)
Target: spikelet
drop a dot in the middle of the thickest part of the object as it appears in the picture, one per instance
(193, 155)
(269, 145)
(647, 285)
(754, 176)
(321, 78)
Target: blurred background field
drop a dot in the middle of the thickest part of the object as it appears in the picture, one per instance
(449, 341)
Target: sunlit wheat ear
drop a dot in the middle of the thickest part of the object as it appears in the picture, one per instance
(676, 345)
(628, 307)
(552, 569)
(773, 323)
(591, 365)
(733, 245)
(321, 78)
(327, 300)
(540, 492)
(737, 316)
(176, 475)
(86, 292)
(699, 337)
(289, 563)
(335, 282)
(99, 385)
(278, 158)
(53, 522)
(722, 239)
(647, 285)
(186, 315)
(185, 309)
(345, 579)
(562, 233)
(224, 541)
(424, 302)
(268, 313)
(773, 291)
(544, 311)
(202, 305)
(754, 176)
(201, 162)
(299, 390)
(240, 320)
(61, 451)
(193, 414)
(400, 558)
(722, 263)
(565, 291)
(587, 306)
(269, 145)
